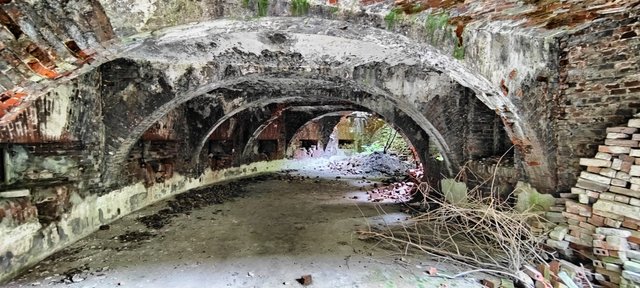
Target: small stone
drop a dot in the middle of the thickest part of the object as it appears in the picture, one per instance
(559, 232)
(305, 280)
(76, 278)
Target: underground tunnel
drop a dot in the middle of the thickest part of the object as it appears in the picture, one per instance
(338, 143)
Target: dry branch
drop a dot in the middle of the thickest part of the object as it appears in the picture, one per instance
(483, 233)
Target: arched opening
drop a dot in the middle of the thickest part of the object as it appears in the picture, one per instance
(174, 114)
(350, 133)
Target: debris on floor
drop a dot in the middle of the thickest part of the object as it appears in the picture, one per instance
(374, 164)
(194, 199)
(395, 190)
(305, 280)
(300, 225)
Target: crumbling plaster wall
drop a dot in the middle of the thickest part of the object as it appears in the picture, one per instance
(553, 89)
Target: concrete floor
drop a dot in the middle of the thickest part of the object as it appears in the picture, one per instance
(275, 232)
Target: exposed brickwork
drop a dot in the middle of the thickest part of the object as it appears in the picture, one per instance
(602, 213)
(17, 211)
(600, 86)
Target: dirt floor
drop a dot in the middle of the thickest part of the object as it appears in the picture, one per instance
(261, 232)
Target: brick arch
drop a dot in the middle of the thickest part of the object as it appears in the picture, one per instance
(222, 52)
(412, 123)
(412, 141)
(299, 121)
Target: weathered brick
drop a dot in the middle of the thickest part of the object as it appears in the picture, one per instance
(614, 149)
(621, 142)
(624, 191)
(591, 185)
(612, 223)
(635, 123)
(593, 194)
(621, 199)
(608, 172)
(595, 177)
(577, 208)
(635, 170)
(604, 156)
(625, 130)
(617, 208)
(576, 190)
(616, 164)
(608, 196)
(619, 182)
(622, 176)
(595, 162)
(617, 136)
(596, 220)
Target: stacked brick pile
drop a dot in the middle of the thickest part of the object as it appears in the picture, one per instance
(603, 221)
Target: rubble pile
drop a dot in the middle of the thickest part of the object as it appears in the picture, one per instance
(397, 191)
(601, 218)
(374, 164)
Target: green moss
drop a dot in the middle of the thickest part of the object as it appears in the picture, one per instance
(458, 52)
(299, 7)
(263, 8)
(392, 17)
(435, 22)
(245, 3)
(334, 10)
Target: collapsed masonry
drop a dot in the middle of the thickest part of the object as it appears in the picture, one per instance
(601, 217)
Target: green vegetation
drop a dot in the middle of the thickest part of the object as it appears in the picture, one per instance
(299, 7)
(392, 17)
(375, 135)
(435, 22)
(334, 10)
(263, 8)
(440, 22)
(458, 52)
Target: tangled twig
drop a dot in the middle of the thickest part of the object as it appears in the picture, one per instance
(484, 233)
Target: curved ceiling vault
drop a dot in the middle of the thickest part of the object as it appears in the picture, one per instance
(285, 56)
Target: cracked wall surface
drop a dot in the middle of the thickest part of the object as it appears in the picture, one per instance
(107, 106)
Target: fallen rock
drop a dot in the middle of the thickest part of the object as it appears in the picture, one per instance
(305, 280)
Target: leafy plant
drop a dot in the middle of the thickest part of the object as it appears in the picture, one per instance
(435, 22)
(392, 17)
(263, 8)
(245, 3)
(299, 7)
